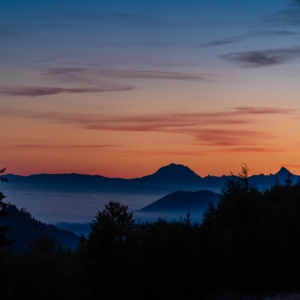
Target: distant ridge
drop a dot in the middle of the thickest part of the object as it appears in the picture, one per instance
(167, 179)
(183, 202)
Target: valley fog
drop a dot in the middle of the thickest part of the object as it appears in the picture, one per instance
(54, 208)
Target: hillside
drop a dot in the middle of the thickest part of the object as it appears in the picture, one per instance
(183, 202)
(26, 230)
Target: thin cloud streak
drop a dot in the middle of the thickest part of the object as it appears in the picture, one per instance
(236, 39)
(161, 153)
(77, 73)
(254, 150)
(290, 15)
(46, 91)
(114, 147)
(153, 121)
(222, 41)
(195, 125)
(263, 110)
(233, 117)
(151, 75)
(227, 137)
(200, 152)
(62, 147)
(263, 58)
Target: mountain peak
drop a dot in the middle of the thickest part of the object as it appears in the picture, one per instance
(177, 168)
(174, 166)
(176, 172)
(283, 172)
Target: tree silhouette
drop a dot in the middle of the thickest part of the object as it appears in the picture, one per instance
(230, 230)
(111, 256)
(4, 241)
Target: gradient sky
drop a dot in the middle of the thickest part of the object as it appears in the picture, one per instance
(121, 88)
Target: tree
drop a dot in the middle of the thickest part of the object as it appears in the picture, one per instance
(230, 230)
(110, 257)
(4, 241)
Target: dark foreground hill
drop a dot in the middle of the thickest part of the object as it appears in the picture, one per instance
(27, 232)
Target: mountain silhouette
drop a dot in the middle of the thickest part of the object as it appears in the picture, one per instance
(172, 175)
(283, 172)
(183, 202)
(167, 179)
(175, 173)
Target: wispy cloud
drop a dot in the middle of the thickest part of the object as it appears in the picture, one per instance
(273, 33)
(61, 146)
(82, 73)
(231, 117)
(202, 152)
(221, 42)
(263, 58)
(249, 110)
(254, 150)
(71, 74)
(45, 91)
(288, 16)
(241, 149)
(215, 138)
(163, 153)
(206, 128)
(153, 121)
(151, 75)
(173, 122)
(235, 39)
(228, 137)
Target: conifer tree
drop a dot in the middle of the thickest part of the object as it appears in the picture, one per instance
(109, 259)
(4, 241)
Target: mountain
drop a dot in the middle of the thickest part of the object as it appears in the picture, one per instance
(283, 173)
(75, 198)
(173, 174)
(26, 230)
(183, 202)
(165, 180)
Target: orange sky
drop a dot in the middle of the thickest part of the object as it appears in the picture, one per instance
(150, 90)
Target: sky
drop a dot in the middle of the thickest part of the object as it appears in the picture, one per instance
(121, 88)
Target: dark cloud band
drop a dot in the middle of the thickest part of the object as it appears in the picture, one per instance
(46, 91)
(73, 73)
(263, 58)
(235, 39)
